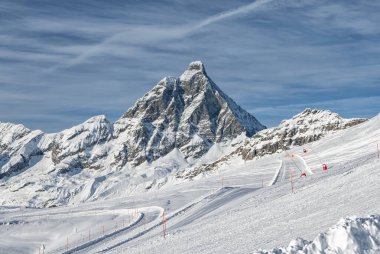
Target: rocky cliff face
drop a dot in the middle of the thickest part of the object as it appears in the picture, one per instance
(189, 113)
(18, 145)
(74, 148)
(79, 147)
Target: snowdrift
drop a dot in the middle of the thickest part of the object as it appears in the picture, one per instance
(349, 235)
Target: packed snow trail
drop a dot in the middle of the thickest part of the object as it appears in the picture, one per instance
(209, 205)
(296, 162)
(101, 240)
(280, 171)
(190, 213)
(302, 164)
(275, 211)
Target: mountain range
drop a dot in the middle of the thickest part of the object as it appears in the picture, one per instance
(184, 118)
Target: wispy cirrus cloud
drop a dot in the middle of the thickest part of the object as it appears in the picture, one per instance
(155, 34)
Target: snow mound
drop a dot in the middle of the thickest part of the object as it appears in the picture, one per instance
(349, 235)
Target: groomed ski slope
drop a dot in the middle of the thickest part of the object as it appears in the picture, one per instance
(231, 211)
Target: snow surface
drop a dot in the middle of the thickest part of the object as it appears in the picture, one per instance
(231, 210)
(349, 235)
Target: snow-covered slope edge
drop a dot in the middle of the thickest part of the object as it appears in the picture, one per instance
(349, 235)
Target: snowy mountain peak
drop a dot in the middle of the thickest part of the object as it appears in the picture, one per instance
(196, 65)
(176, 112)
(320, 118)
(98, 119)
(305, 127)
(168, 82)
(317, 114)
(10, 132)
(194, 68)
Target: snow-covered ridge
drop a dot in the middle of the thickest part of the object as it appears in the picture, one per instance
(349, 235)
(307, 126)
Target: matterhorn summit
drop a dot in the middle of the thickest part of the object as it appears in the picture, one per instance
(194, 68)
(190, 113)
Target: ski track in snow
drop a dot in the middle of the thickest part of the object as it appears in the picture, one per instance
(92, 244)
(213, 202)
(280, 172)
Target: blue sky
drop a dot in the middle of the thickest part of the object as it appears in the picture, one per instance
(62, 62)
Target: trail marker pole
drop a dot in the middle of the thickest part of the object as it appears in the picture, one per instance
(291, 180)
(163, 224)
(89, 235)
(103, 229)
(378, 153)
(262, 183)
(67, 243)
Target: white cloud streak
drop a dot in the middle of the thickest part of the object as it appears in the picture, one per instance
(154, 34)
(231, 13)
